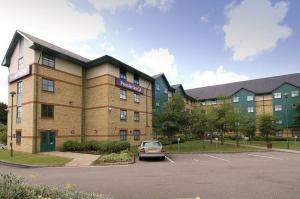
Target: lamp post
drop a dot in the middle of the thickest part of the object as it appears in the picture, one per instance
(286, 120)
(12, 94)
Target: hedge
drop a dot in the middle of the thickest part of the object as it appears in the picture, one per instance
(98, 146)
(12, 187)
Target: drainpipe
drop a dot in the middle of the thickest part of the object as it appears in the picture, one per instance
(83, 128)
(147, 122)
(35, 115)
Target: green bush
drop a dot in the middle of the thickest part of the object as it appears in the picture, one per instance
(3, 133)
(72, 146)
(12, 187)
(164, 141)
(124, 156)
(97, 146)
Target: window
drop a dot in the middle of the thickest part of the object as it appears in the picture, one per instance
(166, 91)
(123, 135)
(277, 95)
(278, 107)
(279, 121)
(157, 87)
(136, 135)
(21, 54)
(279, 134)
(136, 97)
(213, 102)
(48, 85)
(236, 99)
(295, 93)
(20, 63)
(123, 114)
(47, 111)
(123, 74)
(203, 103)
(136, 79)
(19, 87)
(123, 94)
(18, 137)
(250, 109)
(157, 103)
(136, 116)
(236, 110)
(48, 60)
(250, 98)
(19, 111)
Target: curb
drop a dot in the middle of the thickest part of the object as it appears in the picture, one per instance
(21, 165)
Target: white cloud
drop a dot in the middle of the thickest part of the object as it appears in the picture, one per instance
(156, 61)
(255, 26)
(162, 5)
(113, 5)
(209, 77)
(204, 19)
(56, 21)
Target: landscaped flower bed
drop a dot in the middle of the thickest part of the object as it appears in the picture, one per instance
(116, 158)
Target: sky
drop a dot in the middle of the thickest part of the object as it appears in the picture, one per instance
(194, 42)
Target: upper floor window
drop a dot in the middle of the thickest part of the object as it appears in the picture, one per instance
(136, 97)
(250, 98)
(157, 87)
(19, 112)
(279, 121)
(47, 111)
(21, 47)
(48, 60)
(19, 87)
(250, 109)
(48, 85)
(123, 135)
(123, 94)
(236, 99)
(157, 104)
(213, 102)
(203, 103)
(123, 114)
(166, 91)
(136, 79)
(136, 135)
(278, 107)
(277, 95)
(295, 93)
(123, 74)
(20, 63)
(136, 116)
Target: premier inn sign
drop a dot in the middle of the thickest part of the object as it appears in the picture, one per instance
(24, 71)
(130, 86)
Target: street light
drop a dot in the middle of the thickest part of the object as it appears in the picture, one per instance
(12, 94)
(286, 119)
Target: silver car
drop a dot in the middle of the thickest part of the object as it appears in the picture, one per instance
(151, 149)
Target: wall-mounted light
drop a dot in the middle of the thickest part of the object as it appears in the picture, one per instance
(72, 132)
(70, 102)
(109, 109)
(95, 131)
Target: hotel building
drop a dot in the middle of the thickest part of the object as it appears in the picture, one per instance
(62, 96)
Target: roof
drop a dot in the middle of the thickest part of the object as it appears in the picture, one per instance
(40, 44)
(179, 86)
(166, 80)
(258, 86)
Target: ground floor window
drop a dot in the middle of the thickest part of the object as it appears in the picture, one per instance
(279, 134)
(47, 111)
(123, 135)
(136, 135)
(18, 137)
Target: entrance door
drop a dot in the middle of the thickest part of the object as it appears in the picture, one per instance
(47, 141)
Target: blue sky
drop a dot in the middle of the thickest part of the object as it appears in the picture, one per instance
(194, 42)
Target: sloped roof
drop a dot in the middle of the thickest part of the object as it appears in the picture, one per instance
(258, 86)
(166, 80)
(179, 86)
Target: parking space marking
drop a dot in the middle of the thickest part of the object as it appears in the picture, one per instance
(170, 159)
(215, 157)
(264, 156)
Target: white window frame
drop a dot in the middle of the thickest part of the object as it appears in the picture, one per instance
(250, 98)
(166, 90)
(295, 93)
(213, 102)
(278, 107)
(123, 94)
(136, 116)
(277, 95)
(123, 114)
(136, 97)
(251, 109)
(157, 87)
(279, 121)
(157, 104)
(235, 99)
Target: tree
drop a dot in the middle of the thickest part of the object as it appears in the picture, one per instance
(297, 117)
(267, 126)
(3, 133)
(248, 126)
(3, 113)
(174, 118)
(199, 123)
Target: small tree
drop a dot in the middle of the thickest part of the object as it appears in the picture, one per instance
(3, 133)
(267, 126)
(248, 126)
(3, 113)
(199, 123)
(297, 117)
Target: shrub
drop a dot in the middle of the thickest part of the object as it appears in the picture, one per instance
(164, 141)
(12, 187)
(3, 133)
(124, 156)
(72, 146)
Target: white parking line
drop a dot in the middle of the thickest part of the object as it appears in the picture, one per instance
(170, 159)
(211, 156)
(264, 156)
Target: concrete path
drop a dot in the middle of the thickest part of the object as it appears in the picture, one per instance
(78, 159)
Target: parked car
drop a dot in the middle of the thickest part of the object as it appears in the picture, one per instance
(2, 146)
(151, 149)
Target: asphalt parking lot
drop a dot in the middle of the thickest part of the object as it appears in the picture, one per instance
(266, 175)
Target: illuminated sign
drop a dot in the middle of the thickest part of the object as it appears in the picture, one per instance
(19, 74)
(125, 84)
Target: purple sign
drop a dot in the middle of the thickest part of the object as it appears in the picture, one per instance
(20, 73)
(125, 84)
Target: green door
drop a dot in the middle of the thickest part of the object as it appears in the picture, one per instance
(47, 141)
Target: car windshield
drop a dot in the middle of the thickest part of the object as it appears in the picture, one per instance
(151, 144)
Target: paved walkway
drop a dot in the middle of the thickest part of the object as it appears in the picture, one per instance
(78, 159)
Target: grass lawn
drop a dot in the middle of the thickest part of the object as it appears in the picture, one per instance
(278, 144)
(32, 159)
